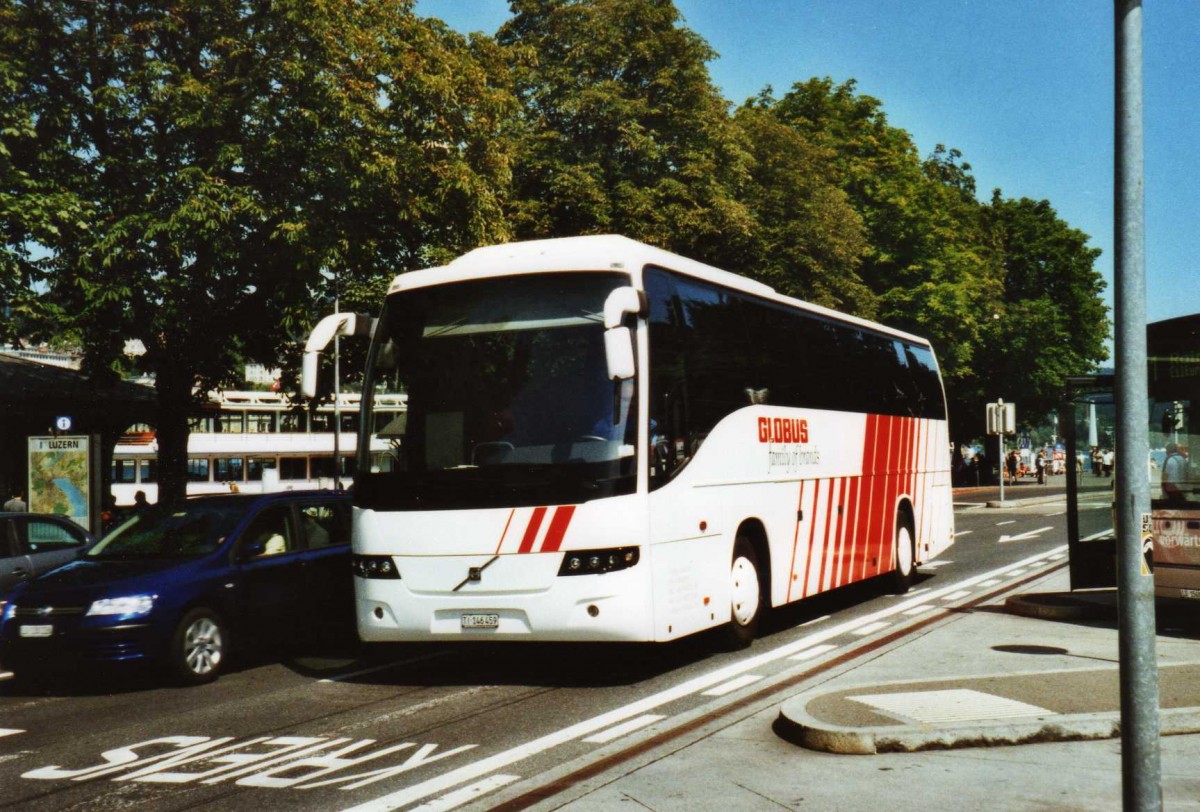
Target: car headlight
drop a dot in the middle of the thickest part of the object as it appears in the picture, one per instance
(132, 605)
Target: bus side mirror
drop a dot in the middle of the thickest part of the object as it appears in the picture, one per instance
(339, 324)
(618, 339)
(618, 349)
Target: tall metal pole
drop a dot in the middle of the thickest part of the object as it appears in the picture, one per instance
(337, 394)
(1140, 764)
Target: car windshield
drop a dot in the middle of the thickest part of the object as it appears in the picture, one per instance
(191, 531)
(508, 396)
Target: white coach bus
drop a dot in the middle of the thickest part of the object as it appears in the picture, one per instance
(605, 441)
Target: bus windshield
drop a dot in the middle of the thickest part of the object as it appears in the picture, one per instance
(508, 397)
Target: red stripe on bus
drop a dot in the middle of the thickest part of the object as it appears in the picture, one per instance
(795, 541)
(505, 533)
(558, 528)
(826, 553)
(854, 531)
(812, 529)
(531, 530)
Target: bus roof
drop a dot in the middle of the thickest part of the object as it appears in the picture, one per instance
(604, 252)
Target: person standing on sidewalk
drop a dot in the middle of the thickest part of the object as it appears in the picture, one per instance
(17, 503)
(1011, 464)
(1175, 473)
(1040, 464)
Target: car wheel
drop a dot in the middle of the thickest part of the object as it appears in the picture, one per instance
(746, 596)
(199, 647)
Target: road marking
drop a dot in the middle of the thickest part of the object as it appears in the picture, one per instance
(470, 772)
(1010, 521)
(871, 628)
(1057, 557)
(989, 582)
(815, 651)
(960, 533)
(815, 620)
(622, 729)
(1100, 535)
(733, 685)
(1028, 535)
(466, 794)
(953, 596)
(9, 731)
(1056, 513)
(1015, 572)
(918, 610)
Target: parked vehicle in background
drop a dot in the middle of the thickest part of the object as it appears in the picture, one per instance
(179, 587)
(33, 543)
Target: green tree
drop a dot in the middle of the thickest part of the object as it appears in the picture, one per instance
(623, 130)
(1051, 322)
(229, 156)
(806, 240)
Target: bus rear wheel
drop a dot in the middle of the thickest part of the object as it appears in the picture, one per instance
(746, 596)
(906, 557)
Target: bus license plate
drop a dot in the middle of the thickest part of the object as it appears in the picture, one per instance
(480, 621)
(37, 631)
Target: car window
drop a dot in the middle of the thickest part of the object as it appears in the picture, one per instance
(325, 525)
(269, 533)
(36, 535)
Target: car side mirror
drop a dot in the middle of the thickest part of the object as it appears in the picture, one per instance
(253, 549)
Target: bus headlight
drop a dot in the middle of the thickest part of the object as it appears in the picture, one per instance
(594, 562)
(374, 566)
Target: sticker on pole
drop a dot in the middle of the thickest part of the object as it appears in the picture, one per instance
(1147, 545)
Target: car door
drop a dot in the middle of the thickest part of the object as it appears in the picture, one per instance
(46, 542)
(15, 566)
(329, 589)
(271, 566)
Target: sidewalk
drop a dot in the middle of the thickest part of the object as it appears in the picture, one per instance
(924, 717)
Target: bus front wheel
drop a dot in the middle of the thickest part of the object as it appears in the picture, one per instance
(746, 596)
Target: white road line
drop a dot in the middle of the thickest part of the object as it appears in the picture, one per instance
(1014, 572)
(918, 610)
(1057, 557)
(815, 620)
(953, 596)
(871, 628)
(733, 685)
(815, 651)
(1099, 535)
(960, 533)
(9, 731)
(1056, 513)
(466, 794)
(470, 772)
(989, 582)
(1010, 521)
(623, 729)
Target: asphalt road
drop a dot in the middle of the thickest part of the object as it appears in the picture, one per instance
(441, 727)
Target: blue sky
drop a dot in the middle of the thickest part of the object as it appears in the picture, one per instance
(1024, 88)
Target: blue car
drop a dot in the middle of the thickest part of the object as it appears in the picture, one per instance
(179, 587)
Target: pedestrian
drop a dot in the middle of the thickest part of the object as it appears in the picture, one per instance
(1040, 464)
(1096, 460)
(1012, 467)
(1107, 459)
(139, 502)
(17, 503)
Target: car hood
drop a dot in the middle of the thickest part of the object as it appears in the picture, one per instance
(84, 579)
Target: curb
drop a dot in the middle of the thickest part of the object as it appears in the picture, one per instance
(1064, 605)
(796, 726)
